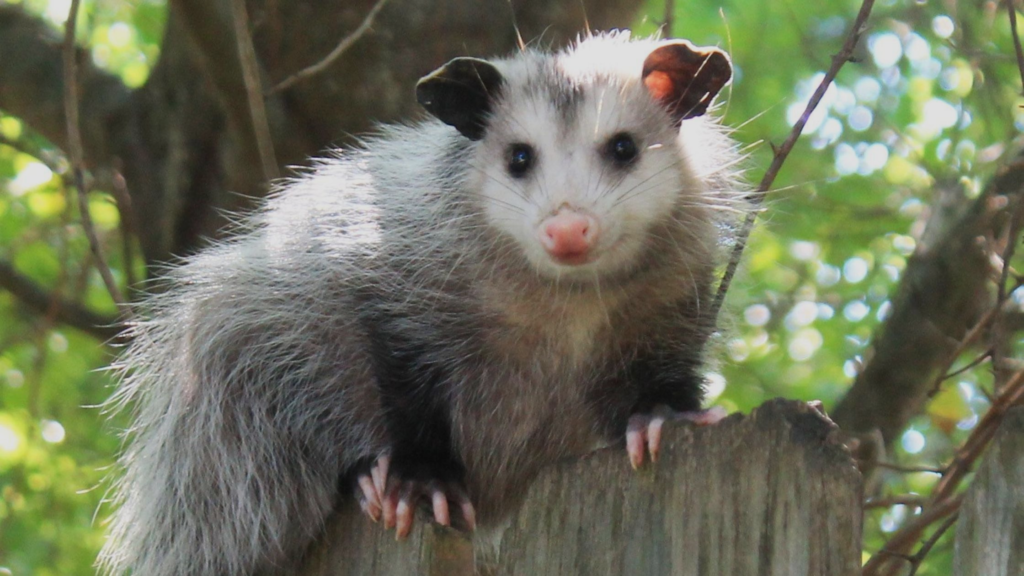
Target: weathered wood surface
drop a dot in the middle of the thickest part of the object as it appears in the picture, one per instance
(990, 530)
(770, 494)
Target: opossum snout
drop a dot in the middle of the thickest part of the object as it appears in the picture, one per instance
(568, 236)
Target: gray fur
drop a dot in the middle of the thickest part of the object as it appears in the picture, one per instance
(249, 382)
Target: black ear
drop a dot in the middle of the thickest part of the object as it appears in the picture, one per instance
(686, 78)
(460, 94)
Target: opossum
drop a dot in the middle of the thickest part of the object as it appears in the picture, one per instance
(435, 315)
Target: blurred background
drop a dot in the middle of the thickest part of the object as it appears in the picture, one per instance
(874, 271)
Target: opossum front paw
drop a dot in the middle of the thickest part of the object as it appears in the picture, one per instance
(403, 496)
(369, 487)
(399, 493)
(643, 432)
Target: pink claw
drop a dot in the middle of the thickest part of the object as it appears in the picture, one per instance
(369, 500)
(405, 512)
(468, 513)
(635, 445)
(402, 497)
(440, 503)
(383, 495)
(389, 505)
(654, 437)
(380, 473)
(643, 431)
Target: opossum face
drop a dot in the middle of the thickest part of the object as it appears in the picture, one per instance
(578, 185)
(579, 159)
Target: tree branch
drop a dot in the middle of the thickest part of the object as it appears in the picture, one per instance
(39, 300)
(1016, 37)
(254, 91)
(944, 499)
(32, 86)
(668, 24)
(126, 223)
(944, 292)
(1011, 395)
(911, 500)
(844, 55)
(74, 140)
(340, 49)
(211, 30)
(906, 536)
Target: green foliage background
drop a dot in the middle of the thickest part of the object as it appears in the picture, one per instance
(934, 97)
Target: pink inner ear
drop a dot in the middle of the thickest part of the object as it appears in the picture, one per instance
(660, 85)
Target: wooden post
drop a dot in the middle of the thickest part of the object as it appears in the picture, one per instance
(769, 494)
(990, 530)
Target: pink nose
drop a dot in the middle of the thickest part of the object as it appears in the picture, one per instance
(568, 236)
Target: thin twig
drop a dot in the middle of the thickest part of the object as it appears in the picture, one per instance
(42, 156)
(123, 199)
(919, 556)
(973, 363)
(1016, 39)
(969, 339)
(340, 49)
(906, 536)
(34, 296)
(912, 500)
(1011, 395)
(909, 469)
(670, 19)
(783, 151)
(1012, 231)
(943, 499)
(77, 156)
(251, 76)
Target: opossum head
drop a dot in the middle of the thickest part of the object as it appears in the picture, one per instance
(577, 155)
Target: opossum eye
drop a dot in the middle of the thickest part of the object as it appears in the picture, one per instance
(622, 149)
(520, 160)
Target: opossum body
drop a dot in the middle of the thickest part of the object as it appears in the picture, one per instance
(470, 304)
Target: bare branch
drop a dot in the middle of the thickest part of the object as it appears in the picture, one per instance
(127, 223)
(1012, 10)
(919, 556)
(1011, 395)
(881, 562)
(74, 137)
(968, 340)
(908, 469)
(251, 76)
(47, 159)
(340, 49)
(42, 301)
(1013, 320)
(210, 30)
(940, 311)
(783, 151)
(966, 367)
(912, 500)
(944, 500)
(998, 333)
